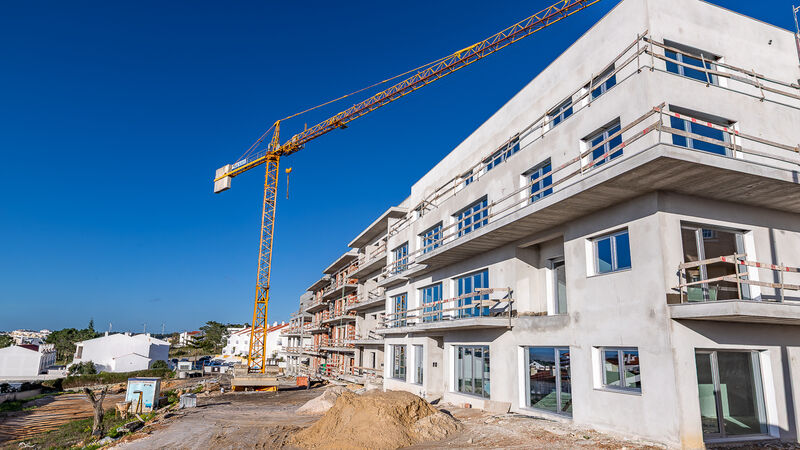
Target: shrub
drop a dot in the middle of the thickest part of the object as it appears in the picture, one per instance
(83, 368)
(159, 365)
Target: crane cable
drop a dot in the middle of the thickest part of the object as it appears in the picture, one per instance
(261, 139)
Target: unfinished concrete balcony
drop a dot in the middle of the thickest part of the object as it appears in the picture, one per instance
(483, 308)
(731, 289)
(372, 337)
(373, 242)
(317, 328)
(339, 345)
(340, 317)
(372, 299)
(372, 260)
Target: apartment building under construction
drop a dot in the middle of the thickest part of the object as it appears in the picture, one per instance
(617, 246)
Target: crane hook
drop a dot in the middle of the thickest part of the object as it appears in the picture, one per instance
(288, 171)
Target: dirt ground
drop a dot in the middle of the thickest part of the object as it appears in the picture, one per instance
(265, 420)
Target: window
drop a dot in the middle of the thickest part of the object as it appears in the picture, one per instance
(431, 299)
(602, 153)
(612, 253)
(503, 154)
(703, 242)
(621, 369)
(560, 113)
(472, 370)
(540, 177)
(467, 285)
(431, 239)
(559, 286)
(549, 381)
(703, 125)
(698, 58)
(400, 258)
(467, 177)
(473, 217)
(400, 308)
(731, 393)
(599, 87)
(372, 360)
(418, 364)
(399, 362)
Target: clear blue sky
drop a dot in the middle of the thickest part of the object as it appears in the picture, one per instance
(114, 116)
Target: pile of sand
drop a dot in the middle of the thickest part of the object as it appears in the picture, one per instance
(376, 420)
(322, 403)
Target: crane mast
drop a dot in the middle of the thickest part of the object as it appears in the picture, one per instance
(271, 154)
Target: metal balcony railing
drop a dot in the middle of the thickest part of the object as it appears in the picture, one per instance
(468, 306)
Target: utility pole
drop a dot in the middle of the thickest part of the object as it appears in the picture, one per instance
(109, 327)
(144, 331)
(162, 329)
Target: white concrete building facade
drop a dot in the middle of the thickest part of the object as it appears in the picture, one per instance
(121, 352)
(26, 360)
(618, 245)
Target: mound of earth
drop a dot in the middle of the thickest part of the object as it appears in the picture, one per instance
(376, 420)
(322, 403)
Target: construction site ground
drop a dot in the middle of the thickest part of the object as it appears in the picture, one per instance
(268, 419)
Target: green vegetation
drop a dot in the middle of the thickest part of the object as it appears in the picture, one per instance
(6, 341)
(64, 341)
(215, 335)
(159, 365)
(112, 378)
(83, 368)
(17, 405)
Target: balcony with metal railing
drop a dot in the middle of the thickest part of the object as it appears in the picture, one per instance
(373, 259)
(730, 289)
(650, 153)
(375, 297)
(483, 308)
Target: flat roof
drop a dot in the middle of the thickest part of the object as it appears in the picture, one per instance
(380, 225)
(341, 262)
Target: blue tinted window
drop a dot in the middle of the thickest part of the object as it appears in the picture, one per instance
(467, 285)
(600, 86)
(610, 149)
(502, 154)
(431, 239)
(473, 217)
(540, 179)
(612, 253)
(563, 111)
(401, 258)
(689, 61)
(431, 301)
(702, 130)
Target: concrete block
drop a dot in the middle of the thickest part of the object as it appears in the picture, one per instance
(496, 407)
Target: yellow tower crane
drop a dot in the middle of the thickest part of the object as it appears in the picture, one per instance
(271, 154)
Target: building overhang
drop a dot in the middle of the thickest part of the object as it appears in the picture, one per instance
(662, 167)
(341, 262)
(472, 323)
(743, 311)
(378, 227)
(319, 284)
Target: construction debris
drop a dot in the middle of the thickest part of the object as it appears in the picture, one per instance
(403, 419)
(322, 403)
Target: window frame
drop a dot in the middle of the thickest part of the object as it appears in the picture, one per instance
(614, 254)
(603, 87)
(699, 236)
(707, 60)
(556, 306)
(460, 282)
(400, 321)
(560, 113)
(620, 369)
(431, 239)
(502, 154)
(604, 133)
(482, 205)
(458, 351)
(556, 356)
(400, 256)
(424, 294)
(399, 362)
(535, 172)
(419, 366)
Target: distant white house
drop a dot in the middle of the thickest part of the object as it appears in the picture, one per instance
(26, 360)
(189, 337)
(121, 352)
(238, 343)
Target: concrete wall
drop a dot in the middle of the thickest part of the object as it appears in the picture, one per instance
(103, 351)
(19, 362)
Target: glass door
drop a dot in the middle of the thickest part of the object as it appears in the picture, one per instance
(701, 243)
(730, 394)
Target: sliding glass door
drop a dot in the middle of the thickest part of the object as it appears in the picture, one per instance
(730, 393)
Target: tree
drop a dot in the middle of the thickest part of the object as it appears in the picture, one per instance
(97, 405)
(215, 335)
(91, 325)
(6, 341)
(83, 368)
(64, 341)
(160, 364)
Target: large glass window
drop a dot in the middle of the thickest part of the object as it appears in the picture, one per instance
(601, 153)
(540, 177)
(621, 368)
(400, 308)
(560, 113)
(431, 299)
(550, 384)
(703, 130)
(400, 258)
(418, 364)
(399, 362)
(467, 285)
(698, 58)
(502, 154)
(559, 286)
(612, 252)
(472, 369)
(431, 239)
(701, 243)
(730, 393)
(473, 217)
